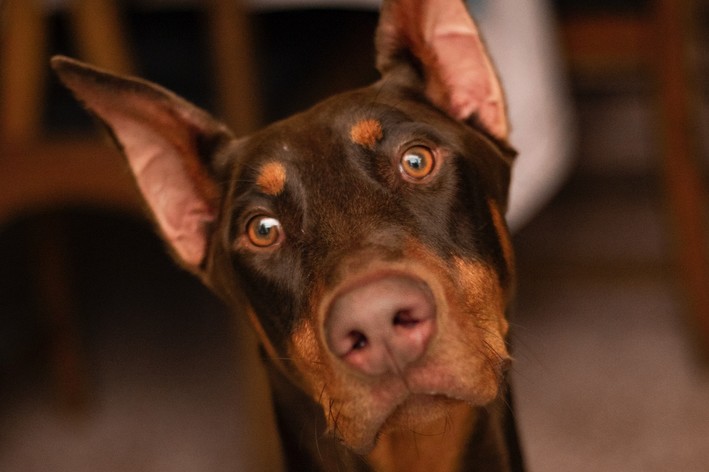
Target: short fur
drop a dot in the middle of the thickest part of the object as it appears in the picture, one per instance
(401, 184)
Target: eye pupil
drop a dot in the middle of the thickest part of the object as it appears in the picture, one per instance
(417, 162)
(413, 161)
(264, 231)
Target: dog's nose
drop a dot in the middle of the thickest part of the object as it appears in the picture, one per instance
(383, 325)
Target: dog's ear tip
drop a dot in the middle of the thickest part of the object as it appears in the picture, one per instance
(59, 58)
(60, 63)
(66, 67)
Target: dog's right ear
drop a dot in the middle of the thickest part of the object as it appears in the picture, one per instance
(168, 143)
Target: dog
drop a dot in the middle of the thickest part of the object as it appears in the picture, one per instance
(365, 238)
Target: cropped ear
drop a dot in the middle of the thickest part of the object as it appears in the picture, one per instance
(440, 41)
(168, 143)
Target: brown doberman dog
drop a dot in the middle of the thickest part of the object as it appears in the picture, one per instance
(366, 238)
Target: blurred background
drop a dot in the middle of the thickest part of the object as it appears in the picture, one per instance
(113, 359)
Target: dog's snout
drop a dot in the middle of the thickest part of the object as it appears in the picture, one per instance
(382, 325)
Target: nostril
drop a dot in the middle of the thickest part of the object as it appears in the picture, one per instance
(405, 319)
(358, 340)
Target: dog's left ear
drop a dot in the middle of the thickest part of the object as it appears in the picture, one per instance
(169, 144)
(439, 41)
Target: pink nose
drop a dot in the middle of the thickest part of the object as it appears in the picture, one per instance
(382, 326)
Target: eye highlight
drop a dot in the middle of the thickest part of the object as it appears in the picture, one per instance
(417, 162)
(264, 231)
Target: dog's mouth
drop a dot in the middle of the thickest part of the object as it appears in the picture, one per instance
(421, 413)
(418, 400)
(425, 410)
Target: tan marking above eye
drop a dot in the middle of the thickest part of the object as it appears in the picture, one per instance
(272, 178)
(367, 133)
(417, 162)
(264, 231)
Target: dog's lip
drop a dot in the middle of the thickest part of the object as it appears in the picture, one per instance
(413, 398)
(415, 401)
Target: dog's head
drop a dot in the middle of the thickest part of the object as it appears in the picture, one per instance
(364, 235)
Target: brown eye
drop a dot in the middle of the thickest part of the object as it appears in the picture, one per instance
(264, 231)
(417, 162)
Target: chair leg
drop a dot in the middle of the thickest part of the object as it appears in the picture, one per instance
(683, 175)
(237, 92)
(99, 33)
(22, 69)
(54, 287)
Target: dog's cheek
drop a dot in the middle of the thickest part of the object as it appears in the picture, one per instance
(261, 333)
(486, 300)
(349, 407)
(503, 237)
(306, 353)
(473, 306)
(272, 284)
(315, 375)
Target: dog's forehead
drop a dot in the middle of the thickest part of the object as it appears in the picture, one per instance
(331, 134)
(347, 145)
(359, 117)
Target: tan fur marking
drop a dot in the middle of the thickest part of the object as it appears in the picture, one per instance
(503, 234)
(272, 178)
(367, 133)
(482, 282)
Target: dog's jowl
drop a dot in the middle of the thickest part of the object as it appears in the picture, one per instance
(364, 237)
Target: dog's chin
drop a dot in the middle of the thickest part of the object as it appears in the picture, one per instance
(426, 405)
(419, 413)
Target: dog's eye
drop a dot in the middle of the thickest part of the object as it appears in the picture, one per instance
(264, 231)
(417, 162)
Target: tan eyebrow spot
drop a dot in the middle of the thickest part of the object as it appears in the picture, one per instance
(272, 178)
(367, 133)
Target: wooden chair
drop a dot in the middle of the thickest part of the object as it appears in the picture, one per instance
(658, 40)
